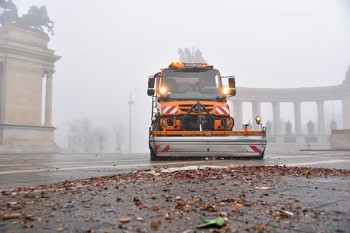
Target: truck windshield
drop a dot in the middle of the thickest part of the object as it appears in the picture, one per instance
(188, 85)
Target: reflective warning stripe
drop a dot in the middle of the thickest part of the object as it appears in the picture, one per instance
(255, 149)
(159, 148)
(166, 148)
(170, 110)
(222, 110)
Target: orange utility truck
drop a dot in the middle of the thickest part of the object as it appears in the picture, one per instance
(191, 117)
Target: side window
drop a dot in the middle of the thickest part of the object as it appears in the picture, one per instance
(157, 82)
(217, 81)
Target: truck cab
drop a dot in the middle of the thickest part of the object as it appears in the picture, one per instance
(184, 88)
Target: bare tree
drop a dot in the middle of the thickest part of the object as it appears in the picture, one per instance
(117, 132)
(100, 139)
(84, 139)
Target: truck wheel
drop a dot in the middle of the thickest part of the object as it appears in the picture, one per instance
(154, 157)
(261, 156)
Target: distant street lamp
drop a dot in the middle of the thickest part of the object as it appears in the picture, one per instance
(130, 103)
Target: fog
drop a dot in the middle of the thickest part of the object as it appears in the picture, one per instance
(110, 47)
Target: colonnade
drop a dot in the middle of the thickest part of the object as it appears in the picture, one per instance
(297, 96)
(276, 110)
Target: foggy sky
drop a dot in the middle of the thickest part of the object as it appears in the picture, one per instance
(110, 47)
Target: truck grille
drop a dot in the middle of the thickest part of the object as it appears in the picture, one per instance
(191, 123)
(186, 107)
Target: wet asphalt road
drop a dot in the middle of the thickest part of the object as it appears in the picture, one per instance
(28, 170)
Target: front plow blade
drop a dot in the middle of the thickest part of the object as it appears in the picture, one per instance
(208, 146)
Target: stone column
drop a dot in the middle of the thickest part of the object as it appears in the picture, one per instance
(320, 111)
(256, 112)
(48, 99)
(297, 117)
(238, 114)
(276, 118)
(2, 94)
(346, 111)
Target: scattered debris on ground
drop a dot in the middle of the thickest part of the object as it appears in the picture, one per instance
(231, 199)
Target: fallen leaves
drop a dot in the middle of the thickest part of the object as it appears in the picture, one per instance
(60, 229)
(285, 214)
(124, 220)
(263, 187)
(217, 222)
(11, 216)
(155, 224)
(173, 201)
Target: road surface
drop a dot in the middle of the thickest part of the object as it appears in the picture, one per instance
(28, 170)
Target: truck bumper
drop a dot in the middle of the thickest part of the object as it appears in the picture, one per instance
(208, 146)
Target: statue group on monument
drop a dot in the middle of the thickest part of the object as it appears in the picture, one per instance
(186, 55)
(36, 17)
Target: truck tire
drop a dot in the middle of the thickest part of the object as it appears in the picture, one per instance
(153, 155)
(261, 156)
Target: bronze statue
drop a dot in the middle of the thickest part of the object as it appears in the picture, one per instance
(310, 127)
(268, 127)
(347, 76)
(288, 128)
(36, 17)
(333, 125)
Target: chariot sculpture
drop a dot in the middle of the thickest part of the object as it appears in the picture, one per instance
(36, 18)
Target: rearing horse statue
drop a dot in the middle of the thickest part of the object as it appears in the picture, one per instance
(36, 18)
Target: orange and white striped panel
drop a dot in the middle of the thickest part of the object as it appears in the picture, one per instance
(170, 110)
(254, 149)
(222, 110)
(162, 148)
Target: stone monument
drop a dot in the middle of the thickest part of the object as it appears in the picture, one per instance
(346, 100)
(26, 72)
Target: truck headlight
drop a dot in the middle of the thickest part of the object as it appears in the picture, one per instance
(226, 91)
(258, 120)
(163, 90)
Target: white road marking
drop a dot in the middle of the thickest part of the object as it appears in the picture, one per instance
(96, 167)
(166, 164)
(316, 162)
(72, 162)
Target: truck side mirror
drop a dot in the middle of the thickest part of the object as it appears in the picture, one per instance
(232, 86)
(150, 90)
(151, 81)
(232, 82)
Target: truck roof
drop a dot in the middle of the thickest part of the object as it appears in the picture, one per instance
(186, 65)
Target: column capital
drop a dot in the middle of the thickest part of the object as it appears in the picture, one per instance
(49, 73)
